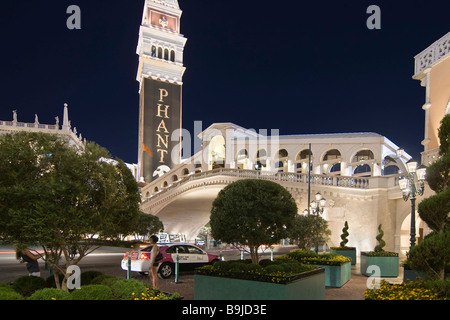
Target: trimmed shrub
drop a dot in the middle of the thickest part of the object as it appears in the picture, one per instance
(123, 289)
(27, 285)
(280, 271)
(310, 257)
(92, 292)
(50, 294)
(105, 279)
(8, 293)
(88, 276)
(51, 280)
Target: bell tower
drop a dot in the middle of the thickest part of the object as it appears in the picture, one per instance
(160, 75)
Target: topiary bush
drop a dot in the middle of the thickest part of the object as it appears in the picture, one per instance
(344, 235)
(93, 292)
(27, 285)
(381, 243)
(123, 289)
(50, 294)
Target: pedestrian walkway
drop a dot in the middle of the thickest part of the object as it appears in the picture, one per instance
(352, 290)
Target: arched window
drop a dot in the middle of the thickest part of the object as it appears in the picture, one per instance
(185, 172)
(166, 54)
(390, 166)
(242, 159)
(172, 56)
(363, 155)
(160, 55)
(281, 164)
(335, 169)
(261, 159)
(333, 154)
(362, 170)
(301, 161)
(154, 51)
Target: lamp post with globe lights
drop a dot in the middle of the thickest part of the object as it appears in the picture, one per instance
(411, 188)
(316, 207)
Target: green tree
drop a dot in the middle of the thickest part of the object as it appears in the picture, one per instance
(435, 209)
(62, 198)
(252, 213)
(308, 230)
(432, 254)
(147, 224)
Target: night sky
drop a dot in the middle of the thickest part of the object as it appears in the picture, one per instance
(298, 66)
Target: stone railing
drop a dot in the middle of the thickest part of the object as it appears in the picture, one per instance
(28, 125)
(205, 179)
(432, 54)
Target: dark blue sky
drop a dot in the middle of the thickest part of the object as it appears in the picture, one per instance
(300, 68)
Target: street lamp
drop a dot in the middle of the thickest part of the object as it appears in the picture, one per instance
(411, 189)
(317, 207)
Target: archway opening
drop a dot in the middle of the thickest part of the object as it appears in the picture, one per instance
(216, 152)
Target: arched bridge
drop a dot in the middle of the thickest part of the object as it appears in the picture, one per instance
(183, 200)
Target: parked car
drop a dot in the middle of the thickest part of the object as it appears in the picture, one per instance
(189, 257)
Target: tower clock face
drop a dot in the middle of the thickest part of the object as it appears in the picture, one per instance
(163, 20)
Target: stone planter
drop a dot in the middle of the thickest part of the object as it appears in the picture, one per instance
(388, 265)
(337, 276)
(411, 275)
(310, 287)
(348, 252)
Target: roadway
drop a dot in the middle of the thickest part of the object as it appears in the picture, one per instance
(105, 259)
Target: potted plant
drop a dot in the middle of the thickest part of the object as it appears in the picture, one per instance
(343, 250)
(386, 261)
(337, 267)
(284, 279)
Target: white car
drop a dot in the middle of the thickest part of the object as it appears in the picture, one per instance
(189, 257)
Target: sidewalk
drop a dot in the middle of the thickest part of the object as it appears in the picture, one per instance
(352, 290)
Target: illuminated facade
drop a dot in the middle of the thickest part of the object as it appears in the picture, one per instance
(432, 69)
(63, 130)
(358, 173)
(160, 73)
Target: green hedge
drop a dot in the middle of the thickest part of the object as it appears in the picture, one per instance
(310, 257)
(50, 294)
(380, 254)
(126, 289)
(280, 271)
(95, 286)
(93, 292)
(27, 285)
(8, 293)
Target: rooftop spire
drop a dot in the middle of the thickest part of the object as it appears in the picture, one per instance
(66, 123)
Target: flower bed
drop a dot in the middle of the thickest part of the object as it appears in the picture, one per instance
(349, 252)
(337, 267)
(415, 290)
(282, 271)
(309, 257)
(280, 280)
